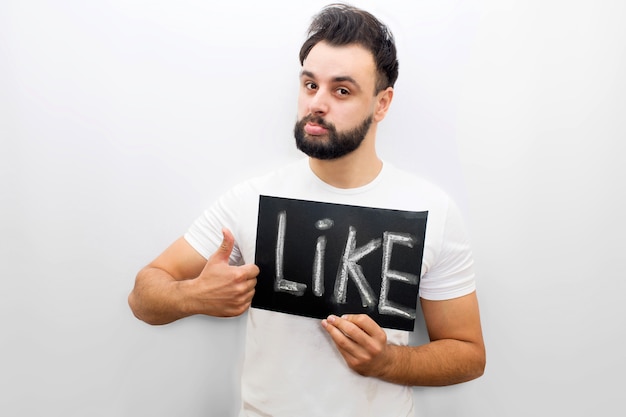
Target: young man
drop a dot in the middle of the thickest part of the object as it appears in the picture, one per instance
(348, 365)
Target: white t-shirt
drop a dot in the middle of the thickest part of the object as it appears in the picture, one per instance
(291, 366)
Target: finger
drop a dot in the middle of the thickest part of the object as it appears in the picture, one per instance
(250, 271)
(362, 329)
(244, 274)
(222, 254)
(348, 348)
(365, 323)
(346, 327)
(250, 284)
(341, 339)
(355, 345)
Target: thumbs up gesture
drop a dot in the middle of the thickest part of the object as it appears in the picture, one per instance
(225, 290)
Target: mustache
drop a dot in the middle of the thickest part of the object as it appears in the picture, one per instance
(318, 120)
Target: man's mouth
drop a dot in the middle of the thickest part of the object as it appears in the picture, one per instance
(314, 129)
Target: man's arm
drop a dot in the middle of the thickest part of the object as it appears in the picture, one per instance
(455, 354)
(181, 283)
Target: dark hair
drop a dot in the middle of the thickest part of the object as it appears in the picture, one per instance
(342, 24)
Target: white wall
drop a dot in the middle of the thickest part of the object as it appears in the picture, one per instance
(121, 120)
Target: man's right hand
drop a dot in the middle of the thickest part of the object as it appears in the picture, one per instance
(181, 283)
(224, 290)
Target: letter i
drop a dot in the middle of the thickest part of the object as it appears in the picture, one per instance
(318, 261)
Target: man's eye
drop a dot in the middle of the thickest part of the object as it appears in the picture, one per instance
(310, 86)
(343, 91)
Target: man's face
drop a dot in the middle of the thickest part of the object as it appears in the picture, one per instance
(335, 144)
(336, 103)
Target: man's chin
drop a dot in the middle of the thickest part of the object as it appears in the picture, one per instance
(315, 152)
(322, 153)
(324, 138)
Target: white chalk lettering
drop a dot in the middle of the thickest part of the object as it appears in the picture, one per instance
(324, 224)
(318, 266)
(384, 305)
(318, 261)
(348, 268)
(281, 284)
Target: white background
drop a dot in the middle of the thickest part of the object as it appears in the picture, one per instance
(121, 120)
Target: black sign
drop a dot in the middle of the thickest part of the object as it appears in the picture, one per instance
(322, 258)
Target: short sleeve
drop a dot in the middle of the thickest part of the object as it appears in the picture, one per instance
(205, 233)
(451, 274)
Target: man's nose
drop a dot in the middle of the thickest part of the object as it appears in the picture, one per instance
(319, 103)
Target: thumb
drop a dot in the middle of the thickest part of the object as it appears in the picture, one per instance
(223, 252)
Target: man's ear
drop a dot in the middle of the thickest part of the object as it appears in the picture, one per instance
(383, 102)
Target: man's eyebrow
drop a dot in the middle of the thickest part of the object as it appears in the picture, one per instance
(337, 79)
(346, 78)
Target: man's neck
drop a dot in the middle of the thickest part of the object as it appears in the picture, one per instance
(354, 170)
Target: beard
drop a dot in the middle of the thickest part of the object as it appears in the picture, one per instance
(336, 145)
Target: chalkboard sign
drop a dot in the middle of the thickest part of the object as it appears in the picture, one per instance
(322, 258)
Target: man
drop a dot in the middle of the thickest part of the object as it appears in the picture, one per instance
(339, 366)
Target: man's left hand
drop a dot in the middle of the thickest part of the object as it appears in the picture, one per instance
(361, 342)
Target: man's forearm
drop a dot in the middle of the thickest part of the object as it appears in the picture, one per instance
(157, 297)
(438, 363)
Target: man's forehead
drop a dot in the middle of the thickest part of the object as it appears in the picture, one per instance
(350, 63)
